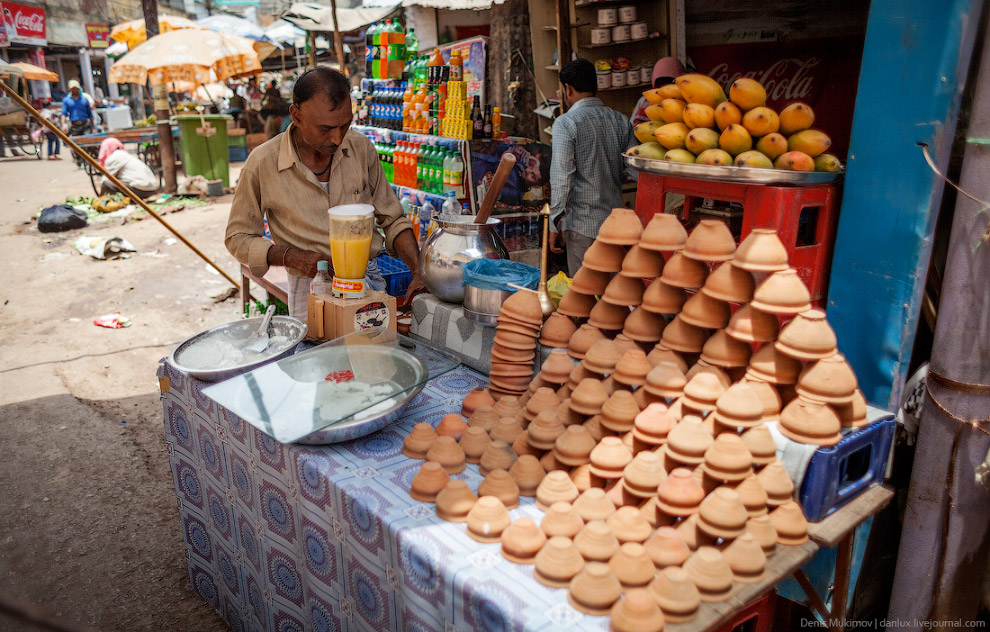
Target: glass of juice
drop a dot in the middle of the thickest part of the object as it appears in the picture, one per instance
(351, 228)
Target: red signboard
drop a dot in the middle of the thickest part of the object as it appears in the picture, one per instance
(24, 24)
(823, 73)
(98, 35)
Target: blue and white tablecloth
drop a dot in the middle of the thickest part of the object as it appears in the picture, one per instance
(292, 538)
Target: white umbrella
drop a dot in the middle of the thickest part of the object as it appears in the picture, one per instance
(282, 31)
(317, 17)
(233, 25)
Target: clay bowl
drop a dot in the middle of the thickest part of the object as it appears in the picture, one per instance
(782, 293)
(664, 232)
(706, 312)
(680, 495)
(557, 331)
(506, 430)
(579, 373)
(763, 532)
(665, 380)
(667, 548)
(428, 482)
(729, 283)
(769, 365)
(419, 440)
(596, 542)
(487, 520)
(749, 324)
(688, 441)
(581, 476)
(777, 483)
(641, 263)
(724, 351)
(621, 228)
(477, 397)
(500, 484)
(808, 336)
(661, 298)
(504, 322)
(644, 326)
(710, 572)
(455, 501)
(555, 487)
(527, 472)
(522, 540)
(557, 563)
(703, 367)
(853, 414)
(760, 444)
(746, 559)
(661, 354)
(680, 336)
(568, 417)
(702, 391)
(761, 251)
(608, 316)
(582, 340)
(628, 525)
(507, 407)
(753, 496)
(643, 475)
(710, 240)
(789, 522)
(653, 425)
(676, 595)
(602, 357)
(556, 368)
(807, 421)
(688, 530)
(452, 425)
(524, 306)
(576, 304)
(624, 291)
(447, 453)
(603, 257)
(683, 272)
(594, 590)
(574, 446)
(498, 455)
(593, 504)
(609, 457)
(589, 397)
(512, 384)
(473, 444)
(632, 368)
(739, 407)
(830, 380)
(544, 399)
(590, 282)
(637, 611)
(623, 343)
(484, 417)
(632, 566)
(594, 427)
(561, 519)
(728, 459)
(722, 514)
(619, 411)
(509, 339)
(542, 433)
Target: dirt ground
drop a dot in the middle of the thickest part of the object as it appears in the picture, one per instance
(88, 523)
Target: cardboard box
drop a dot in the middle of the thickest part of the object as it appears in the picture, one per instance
(329, 317)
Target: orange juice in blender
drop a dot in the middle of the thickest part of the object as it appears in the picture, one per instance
(351, 229)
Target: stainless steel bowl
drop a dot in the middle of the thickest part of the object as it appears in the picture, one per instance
(729, 173)
(457, 241)
(483, 305)
(291, 328)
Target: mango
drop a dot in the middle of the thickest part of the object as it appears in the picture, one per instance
(794, 161)
(796, 117)
(672, 135)
(827, 162)
(697, 88)
(679, 155)
(644, 131)
(655, 113)
(761, 121)
(735, 140)
(726, 114)
(699, 115)
(753, 159)
(701, 138)
(651, 149)
(714, 157)
(672, 110)
(653, 96)
(670, 91)
(810, 141)
(747, 93)
(772, 145)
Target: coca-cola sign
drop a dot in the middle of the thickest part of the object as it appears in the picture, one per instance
(24, 24)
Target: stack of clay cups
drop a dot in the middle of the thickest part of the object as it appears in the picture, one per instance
(514, 349)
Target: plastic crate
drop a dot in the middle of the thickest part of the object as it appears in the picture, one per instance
(396, 273)
(237, 154)
(756, 617)
(839, 473)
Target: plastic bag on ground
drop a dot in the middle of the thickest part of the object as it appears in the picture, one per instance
(557, 286)
(497, 274)
(104, 247)
(61, 217)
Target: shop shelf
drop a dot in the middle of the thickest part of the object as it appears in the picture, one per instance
(631, 41)
(397, 275)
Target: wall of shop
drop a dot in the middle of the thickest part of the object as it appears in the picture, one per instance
(431, 23)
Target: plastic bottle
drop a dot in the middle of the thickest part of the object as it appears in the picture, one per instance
(406, 204)
(390, 162)
(456, 174)
(433, 67)
(466, 209)
(496, 123)
(451, 206)
(487, 122)
(477, 120)
(426, 215)
(322, 282)
(396, 50)
(369, 48)
(456, 66)
(412, 44)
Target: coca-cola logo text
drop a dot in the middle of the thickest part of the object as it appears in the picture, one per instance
(785, 80)
(30, 22)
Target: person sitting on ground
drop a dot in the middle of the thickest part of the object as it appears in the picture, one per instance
(129, 169)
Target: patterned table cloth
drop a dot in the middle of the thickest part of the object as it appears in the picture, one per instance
(292, 538)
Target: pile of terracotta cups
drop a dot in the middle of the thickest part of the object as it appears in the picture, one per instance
(644, 440)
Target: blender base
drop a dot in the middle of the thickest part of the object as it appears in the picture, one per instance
(349, 288)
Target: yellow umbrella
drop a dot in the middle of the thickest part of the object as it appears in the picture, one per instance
(133, 32)
(187, 55)
(35, 72)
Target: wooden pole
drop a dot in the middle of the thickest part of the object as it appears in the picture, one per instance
(312, 49)
(112, 178)
(338, 39)
(159, 96)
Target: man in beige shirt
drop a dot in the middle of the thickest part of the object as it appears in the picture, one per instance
(294, 178)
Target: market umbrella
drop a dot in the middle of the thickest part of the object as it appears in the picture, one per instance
(187, 55)
(282, 31)
(38, 73)
(8, 70)
(317, 17)
(134, 32)
(232, 25)
(116, 50)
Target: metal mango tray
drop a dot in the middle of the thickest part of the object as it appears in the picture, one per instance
(717, 173)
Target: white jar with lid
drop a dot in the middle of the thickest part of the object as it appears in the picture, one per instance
(607, 16)
(618, 78)
(601, 35)
(639, 30)
(627, 14)
(632, 76)
(604, 79)
(621, 33)
(645, 74)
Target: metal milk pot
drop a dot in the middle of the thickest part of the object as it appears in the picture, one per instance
(457, 241)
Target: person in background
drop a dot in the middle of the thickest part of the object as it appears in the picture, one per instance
(273, 108)
(49, 113)
(77, 110)
(586, 166)
(664, 72)
(129, 169)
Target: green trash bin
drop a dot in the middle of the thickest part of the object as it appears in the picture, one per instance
(204, 155)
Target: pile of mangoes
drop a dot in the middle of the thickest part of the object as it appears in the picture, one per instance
(692, 120)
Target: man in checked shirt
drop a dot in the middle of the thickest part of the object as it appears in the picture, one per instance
(586, 167)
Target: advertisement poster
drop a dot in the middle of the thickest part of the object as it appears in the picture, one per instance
(473, 51)
(4, 40)
(24, 24)
(98, 35)
(528, 186)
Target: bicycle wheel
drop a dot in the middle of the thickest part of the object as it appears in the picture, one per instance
(28, 145)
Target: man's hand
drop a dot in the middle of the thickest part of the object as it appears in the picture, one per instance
(303, 261)
(416, 286)
(555, 243)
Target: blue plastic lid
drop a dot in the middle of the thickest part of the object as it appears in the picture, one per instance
(323, 265)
